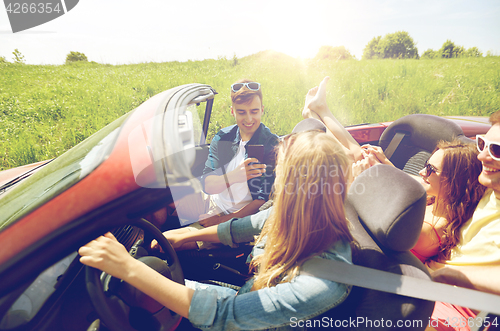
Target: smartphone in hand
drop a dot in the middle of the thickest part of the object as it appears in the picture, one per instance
(256, 151)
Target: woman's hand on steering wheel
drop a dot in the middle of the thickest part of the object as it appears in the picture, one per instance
(107, 254)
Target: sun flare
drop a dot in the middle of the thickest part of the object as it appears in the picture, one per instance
(294, 34)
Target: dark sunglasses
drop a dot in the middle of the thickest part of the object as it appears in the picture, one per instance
(251, 86)
(493, 147)
(429, 169)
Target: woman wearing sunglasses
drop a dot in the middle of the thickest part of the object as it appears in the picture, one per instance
(450, 177)
(308, 211)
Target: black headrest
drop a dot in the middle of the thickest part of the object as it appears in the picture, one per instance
(390, 205)
(421, 135)
(423, 131)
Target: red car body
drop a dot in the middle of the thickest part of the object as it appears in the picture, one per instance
(370, 133)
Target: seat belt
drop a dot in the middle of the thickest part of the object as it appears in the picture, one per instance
(342, 272)
(396, 140)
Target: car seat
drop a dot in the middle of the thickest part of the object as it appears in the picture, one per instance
(387, 220)
(409, 141)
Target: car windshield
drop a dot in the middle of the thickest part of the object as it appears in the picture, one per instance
(58, 175)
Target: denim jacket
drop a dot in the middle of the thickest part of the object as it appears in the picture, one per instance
(223, 148)
(274, 308)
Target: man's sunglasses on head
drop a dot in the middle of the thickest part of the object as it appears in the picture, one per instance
(493, 147)
(251, 86)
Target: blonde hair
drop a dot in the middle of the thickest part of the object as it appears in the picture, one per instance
(308, 214)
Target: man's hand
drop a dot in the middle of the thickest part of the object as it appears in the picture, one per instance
(451, 276)
(246, 171)
(215, 184)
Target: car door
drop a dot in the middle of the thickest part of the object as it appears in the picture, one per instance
(102, 190)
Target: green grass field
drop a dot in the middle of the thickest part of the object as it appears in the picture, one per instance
(45, 110)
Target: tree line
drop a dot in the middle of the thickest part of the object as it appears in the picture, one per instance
(70, 58)
(398, 45)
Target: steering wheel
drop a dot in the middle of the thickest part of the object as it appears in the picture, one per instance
(122, 307)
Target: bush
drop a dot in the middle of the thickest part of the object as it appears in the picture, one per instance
(429, 54)
(76, 57)
(473, 52)
(3, 59)
(18, 57)
(333, 53)
(371, 49)
(450, 50)
(398, 45)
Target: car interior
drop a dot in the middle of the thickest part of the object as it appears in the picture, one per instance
(386, 220)
(384, 227)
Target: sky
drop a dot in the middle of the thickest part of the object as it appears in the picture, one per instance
(136, 31)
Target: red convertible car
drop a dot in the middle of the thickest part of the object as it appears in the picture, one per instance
(112, 181)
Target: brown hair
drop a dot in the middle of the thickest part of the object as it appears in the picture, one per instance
(495, 118)
(245, 95)
(460, 190)
(308, 214)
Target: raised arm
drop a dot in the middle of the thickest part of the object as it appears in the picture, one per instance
(316, 107)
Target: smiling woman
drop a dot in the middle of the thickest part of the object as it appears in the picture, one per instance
(451, 177)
